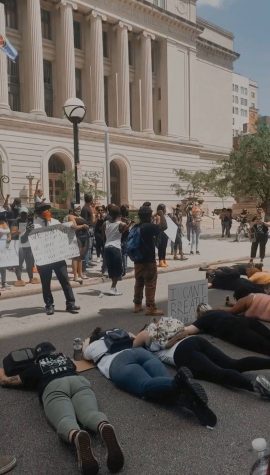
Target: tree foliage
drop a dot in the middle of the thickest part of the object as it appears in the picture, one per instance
(246, 173)
(90, 183)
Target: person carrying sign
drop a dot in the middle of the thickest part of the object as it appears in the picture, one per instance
(42, 220)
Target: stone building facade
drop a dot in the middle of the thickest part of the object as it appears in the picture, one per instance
(151, 73)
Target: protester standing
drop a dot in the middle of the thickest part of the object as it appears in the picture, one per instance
(38, 194)
(5, 238)
(259, 237)
(100, 216)
(81, 229)
(43, 220)
(189, 221)
(196, 214)
(18, 229)
(112, 232)
(88, 213)
(125, 219)
(146, 267)
(177, 245)
(162, 240)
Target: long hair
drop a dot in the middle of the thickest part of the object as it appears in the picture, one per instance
(96, 334)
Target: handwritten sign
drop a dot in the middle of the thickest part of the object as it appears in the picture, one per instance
(171, 230)
(53, 244)
(9, 254)
(184, 298)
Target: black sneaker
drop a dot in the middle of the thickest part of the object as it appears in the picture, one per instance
(115, 457)
(196, 397)
(49, 309)
(191, 252)
(197, 252)
(72, 308)
(87, 462)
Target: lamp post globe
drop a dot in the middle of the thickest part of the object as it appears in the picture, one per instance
(75, 110)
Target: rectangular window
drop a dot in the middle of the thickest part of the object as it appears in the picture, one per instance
(236, 88)
(160, 3)
(106, 99)
(77, 35)
(46, 24)
(242, 90)
(130, 53)
(246, 91)
(14, 86)
(105, 44)
(236, 99)
(78, 78)
(48, 87)
(253, 95)
(11, 13)
(253, 105)
(236, 110)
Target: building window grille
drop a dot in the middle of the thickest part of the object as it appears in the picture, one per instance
(77, 35)
(14, 85)
(48, 87)
(78, 78)
(46, 24)
(105, 44)
(11, 13)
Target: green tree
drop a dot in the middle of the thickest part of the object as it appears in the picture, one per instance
(90, 183)
(190, 185)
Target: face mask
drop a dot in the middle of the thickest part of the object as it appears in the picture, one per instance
(47, 215)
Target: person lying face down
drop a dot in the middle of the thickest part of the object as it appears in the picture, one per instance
(205, 360)
(247, 333)
(68, 401)
(138, 372)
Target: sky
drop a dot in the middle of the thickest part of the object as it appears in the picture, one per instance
(249, 21)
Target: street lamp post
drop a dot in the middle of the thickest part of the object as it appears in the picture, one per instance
(74, 110)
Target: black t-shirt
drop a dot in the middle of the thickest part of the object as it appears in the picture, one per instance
(149, 232)
(39, 374)
(218, 323)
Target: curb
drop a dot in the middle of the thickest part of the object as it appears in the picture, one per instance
(97, 280)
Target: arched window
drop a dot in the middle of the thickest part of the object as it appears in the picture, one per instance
(57, 186)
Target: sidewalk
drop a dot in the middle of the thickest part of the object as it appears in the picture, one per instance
(213, 250)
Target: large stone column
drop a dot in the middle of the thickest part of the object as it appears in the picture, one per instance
(122, 30)
(34, 53)
(146, 82)
(97, 113)
(68, 82)
(4, 105)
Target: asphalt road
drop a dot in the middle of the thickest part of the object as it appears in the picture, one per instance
(157, 440)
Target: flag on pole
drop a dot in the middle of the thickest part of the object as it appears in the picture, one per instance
(7, 48)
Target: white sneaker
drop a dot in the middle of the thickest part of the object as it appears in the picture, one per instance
(112, 291)
(117, 292)
(262, 386)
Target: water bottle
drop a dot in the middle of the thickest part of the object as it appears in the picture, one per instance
(262, 464)
(77, 349)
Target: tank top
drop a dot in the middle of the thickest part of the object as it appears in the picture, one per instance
(113, 235)
(260, 307)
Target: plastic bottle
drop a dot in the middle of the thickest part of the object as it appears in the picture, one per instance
(77, 349)
(262, 464)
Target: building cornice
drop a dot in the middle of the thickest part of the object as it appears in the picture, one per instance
(211, 26)
(61, 128)
(217, 49)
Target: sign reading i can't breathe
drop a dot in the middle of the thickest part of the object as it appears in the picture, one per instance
(53, 244)
(184, 298)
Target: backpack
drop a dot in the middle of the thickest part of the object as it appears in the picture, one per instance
(117, 340)
(18, 360)
(163, 330)
(134, 244)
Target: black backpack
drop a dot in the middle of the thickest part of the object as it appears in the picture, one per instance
(117, 340)
(17, 361)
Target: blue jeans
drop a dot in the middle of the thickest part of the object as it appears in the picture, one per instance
(139, 372)
(195, 235)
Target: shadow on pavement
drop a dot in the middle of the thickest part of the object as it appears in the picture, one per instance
(21, 312)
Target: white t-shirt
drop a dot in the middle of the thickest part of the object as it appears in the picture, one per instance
(98, 349)
(166, 356)
(41, 223)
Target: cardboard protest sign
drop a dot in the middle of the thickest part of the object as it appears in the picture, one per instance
(53, 244)
(9, 254)
(171, 229)
(184, 298)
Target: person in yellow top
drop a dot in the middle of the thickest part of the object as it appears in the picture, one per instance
(258, 276)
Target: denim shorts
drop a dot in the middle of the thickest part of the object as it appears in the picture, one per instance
(114, 263)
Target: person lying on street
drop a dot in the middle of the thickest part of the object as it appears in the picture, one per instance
(69, 402)
(206, 361)
(138, 372)
(247, 333)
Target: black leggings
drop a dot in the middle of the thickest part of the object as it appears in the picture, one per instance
(250, 334)
(162, 246)
(210, 364)
(254, 246)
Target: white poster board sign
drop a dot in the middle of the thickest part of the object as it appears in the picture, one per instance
(171, 229)
(53, 244)
(9, 254)
(184, 298)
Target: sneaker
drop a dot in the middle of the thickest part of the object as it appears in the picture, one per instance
(115, 457)
(197, 252)
(137, 308)
(7, 463)
(19, 283)
(6, 286)
(49, 309)
(87, 462)
(195, 397)
(154, 312)
(35, 280)
(72, 308)
(191, 252)
(262, 386)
